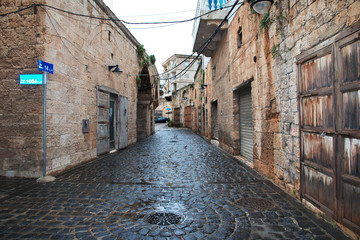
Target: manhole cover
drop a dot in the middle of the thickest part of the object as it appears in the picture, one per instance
(255, 203)
(164, 219)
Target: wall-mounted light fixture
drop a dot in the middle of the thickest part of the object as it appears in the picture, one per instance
(202, 87)
(116, 68)
(261, 6)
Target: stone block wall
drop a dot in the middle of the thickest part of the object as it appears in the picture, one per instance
(81, 50)
(267, 57)
(297, 26)
(21, 106)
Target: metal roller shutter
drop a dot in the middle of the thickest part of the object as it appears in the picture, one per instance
(246, 125)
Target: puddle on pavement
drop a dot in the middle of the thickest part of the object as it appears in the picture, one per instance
(3, 196)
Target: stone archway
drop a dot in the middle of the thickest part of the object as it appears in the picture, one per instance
(144, 116)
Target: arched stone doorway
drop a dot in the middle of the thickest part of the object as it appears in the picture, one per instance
(144, 105)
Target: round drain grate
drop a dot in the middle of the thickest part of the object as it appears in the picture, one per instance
(164, 219)
(255, 203)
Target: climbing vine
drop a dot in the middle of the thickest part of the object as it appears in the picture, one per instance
(143, 60)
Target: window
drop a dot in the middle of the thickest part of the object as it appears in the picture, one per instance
(239, 37)
(214, 72)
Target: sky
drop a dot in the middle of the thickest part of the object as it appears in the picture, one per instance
(160, 40)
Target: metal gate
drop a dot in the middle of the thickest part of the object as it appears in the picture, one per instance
(119, 121)
(188, 117)
(329, 90)
(246, 125)
(122, 122)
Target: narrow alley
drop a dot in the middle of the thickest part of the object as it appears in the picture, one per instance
(173, 185)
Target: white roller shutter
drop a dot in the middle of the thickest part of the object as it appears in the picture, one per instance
(246, 125)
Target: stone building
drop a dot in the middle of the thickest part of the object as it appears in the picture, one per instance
(176, 77)
(283, 92)
(96, 99)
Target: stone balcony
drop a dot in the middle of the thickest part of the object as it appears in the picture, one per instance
(206, 25)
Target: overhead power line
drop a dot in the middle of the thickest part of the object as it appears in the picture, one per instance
(111, 18)
(202, 47)
(114, 18)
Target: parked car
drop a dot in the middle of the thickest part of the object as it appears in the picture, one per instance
(161, 120)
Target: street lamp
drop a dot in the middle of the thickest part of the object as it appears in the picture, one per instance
(261, 6)
(202, 87)
(116, 68)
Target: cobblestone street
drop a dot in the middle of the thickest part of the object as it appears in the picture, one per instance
(207, 194)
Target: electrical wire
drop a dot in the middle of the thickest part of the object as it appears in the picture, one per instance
(204, 45)
(114, 18)
(19, 10)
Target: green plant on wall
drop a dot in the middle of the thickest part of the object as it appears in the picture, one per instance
(152, 59)
(140, 50)
(138, 79)
(275, 51)
(266, 21)
(143, 58)
(202, 80)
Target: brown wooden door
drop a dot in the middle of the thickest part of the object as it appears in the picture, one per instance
(329, 90)
(347, 52)
(177, 117)
(188, 117)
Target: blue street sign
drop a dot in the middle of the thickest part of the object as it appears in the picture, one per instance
(45, 67)
(31, 79)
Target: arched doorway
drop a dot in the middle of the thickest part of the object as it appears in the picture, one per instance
(144, 105)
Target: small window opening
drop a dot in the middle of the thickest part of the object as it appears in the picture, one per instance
(240, 37)
(109, 35)
(214, 72)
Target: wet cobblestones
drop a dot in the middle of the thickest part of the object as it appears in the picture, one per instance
(174, 171)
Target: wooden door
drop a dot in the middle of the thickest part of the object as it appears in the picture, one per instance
(215, 120)
(188, 117)
(177, 117)
(329, 91)
(347, 52)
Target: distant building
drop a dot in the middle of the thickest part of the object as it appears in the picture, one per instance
(177, 75)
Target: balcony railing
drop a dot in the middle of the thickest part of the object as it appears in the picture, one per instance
(215, 4)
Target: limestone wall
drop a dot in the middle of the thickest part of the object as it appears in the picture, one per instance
(267, 59)
(21, 107)
(81, 50)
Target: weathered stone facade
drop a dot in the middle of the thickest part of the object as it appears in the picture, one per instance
(266, 62)
(259, 55)
(81, 49)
